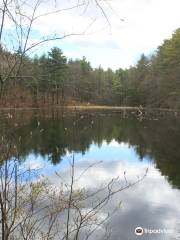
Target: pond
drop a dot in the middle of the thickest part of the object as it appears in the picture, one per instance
(105, 146)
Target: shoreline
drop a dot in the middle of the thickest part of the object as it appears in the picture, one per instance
(90, 107)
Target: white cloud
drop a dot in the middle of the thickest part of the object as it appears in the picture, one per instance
(114, 143)
(146, 24)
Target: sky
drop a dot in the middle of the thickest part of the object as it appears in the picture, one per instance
(114, 37)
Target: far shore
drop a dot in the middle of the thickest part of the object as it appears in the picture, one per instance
(91, 107)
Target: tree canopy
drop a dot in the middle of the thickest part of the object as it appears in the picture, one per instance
(53, 79)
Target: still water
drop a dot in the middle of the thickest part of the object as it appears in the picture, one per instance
(114, 145)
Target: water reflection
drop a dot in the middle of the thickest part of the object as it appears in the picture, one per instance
(53, 136)
(122, 144)
(151, 204)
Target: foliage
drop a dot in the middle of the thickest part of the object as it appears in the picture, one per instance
(51, 79)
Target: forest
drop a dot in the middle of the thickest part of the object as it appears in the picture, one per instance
(88, 152)
(54, 80)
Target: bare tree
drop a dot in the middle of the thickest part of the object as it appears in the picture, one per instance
(22, 17)
(21, 36)
(32, 207)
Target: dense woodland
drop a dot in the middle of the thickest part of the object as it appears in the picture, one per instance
(52, 79)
